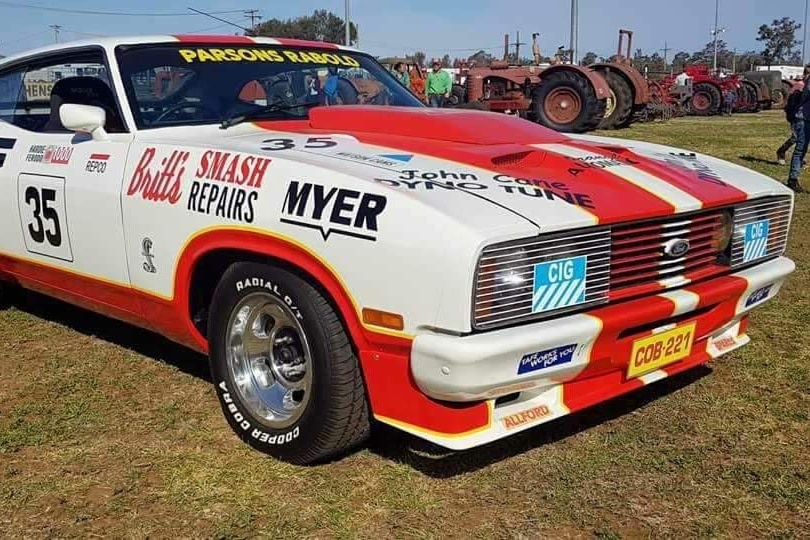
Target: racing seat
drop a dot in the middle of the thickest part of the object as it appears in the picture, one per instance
(84, 91)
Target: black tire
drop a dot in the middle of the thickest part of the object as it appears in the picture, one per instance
(458, 97)
(336, 416)
(753, 97)
(713, 99)
(623, 109)
(591, 111)
(474, 105)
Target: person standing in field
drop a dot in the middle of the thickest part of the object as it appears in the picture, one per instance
(401, 73)
(800, 128)
(791, 107)
(536, 49)
(438, 85)
(729, 97)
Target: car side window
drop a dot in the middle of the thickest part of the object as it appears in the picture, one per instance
(10, 91)
(31, 95)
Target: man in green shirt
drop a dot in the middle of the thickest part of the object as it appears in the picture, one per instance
(438, 85)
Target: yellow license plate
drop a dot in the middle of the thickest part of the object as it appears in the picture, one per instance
(659, 350)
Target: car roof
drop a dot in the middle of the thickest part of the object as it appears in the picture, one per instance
(191, 39)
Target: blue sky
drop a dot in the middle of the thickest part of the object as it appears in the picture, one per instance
(455, 27)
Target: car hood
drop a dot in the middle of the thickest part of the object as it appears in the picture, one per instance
(445, 158)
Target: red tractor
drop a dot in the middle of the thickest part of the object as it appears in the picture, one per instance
(669, 97)
(563, 97)
(707, 96)
(629, 92)
(566, 98)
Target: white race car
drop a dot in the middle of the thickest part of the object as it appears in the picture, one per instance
(343, 253)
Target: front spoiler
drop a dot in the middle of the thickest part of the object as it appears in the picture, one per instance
(480, 368)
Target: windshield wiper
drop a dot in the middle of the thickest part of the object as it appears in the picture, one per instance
(275, 107)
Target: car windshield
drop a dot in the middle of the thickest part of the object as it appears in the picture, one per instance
(171, 85)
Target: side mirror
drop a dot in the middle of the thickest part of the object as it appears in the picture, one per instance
(84, 119)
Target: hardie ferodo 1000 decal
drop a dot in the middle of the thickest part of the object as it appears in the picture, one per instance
(454, 274)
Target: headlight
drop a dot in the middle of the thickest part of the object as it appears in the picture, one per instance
(541, 277)
(760, 230)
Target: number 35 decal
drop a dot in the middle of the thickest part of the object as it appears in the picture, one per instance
(273, 145)
(43, 216)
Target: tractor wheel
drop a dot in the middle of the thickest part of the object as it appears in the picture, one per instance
(743, 102)
(706, 99)
(619, 108)
(458, 96)
(566, 101)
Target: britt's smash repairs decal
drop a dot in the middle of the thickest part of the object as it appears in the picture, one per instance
(223, 184)
(254, 54)
(559, 284)
(755, 243)
(333, 210)
(159, 180)
(227, 185)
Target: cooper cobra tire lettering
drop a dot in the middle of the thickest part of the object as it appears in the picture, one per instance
(335, 416)
(245, 425)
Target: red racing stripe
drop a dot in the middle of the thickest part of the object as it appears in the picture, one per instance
(209, 39)
(615, 199)
(707, 187)
(287, 42)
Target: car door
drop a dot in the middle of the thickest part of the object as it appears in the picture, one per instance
(60, 208)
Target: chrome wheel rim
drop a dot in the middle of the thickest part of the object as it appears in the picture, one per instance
(270, 360)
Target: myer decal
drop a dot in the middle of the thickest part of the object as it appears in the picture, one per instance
(333, 210)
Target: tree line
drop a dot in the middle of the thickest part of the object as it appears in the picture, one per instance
(780, 46)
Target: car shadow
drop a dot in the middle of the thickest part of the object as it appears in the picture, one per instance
(386, 442)
(122, 334)
(438, 462)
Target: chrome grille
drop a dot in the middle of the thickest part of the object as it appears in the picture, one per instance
(637, 255)
(777, 210)
(624, 260)
(503, 297)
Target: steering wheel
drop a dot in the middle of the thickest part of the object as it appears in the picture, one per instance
(184, 105)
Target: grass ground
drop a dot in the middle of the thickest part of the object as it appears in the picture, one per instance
(107, 430)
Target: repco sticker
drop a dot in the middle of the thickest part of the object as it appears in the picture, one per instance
(262, 283)
(256, 433)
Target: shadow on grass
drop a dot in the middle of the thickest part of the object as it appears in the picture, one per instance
(753, 159)
(386, 442)
(130, 337)
(438, 462)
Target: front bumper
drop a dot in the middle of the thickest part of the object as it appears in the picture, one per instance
(488, 365)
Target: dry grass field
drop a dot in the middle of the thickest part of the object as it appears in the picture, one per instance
(108, 430)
